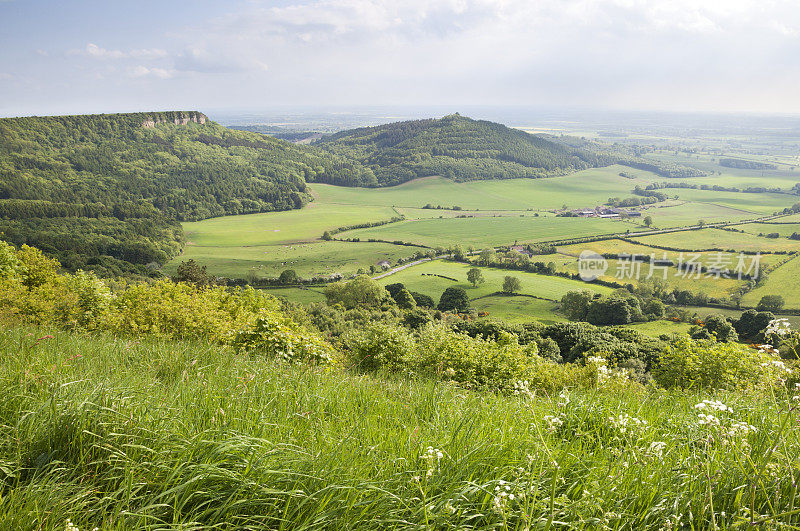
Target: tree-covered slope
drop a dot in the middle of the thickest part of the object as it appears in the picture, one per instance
(105, 191)
(459, 148)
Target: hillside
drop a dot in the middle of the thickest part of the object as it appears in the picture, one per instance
(458, 148)
(103, 192)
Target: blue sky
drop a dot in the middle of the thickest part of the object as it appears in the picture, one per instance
(78, 56)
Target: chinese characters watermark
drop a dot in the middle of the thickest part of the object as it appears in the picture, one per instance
(592, 265)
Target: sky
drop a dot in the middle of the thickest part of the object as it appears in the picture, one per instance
(59, 57)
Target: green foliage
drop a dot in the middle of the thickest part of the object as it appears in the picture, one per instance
(771, 303)
(379, 346)
(720, 328)
(423, 300)
(193, 273)
(511, 284)
(707, 364)
(575, 304)
(288, 276)
(103, 192)
(279, 337)
(251, 320)
(454, 299)
(361, 291)
(458, 148)
(751, 323)
(405, 300)
(475, 362)
(475, 276)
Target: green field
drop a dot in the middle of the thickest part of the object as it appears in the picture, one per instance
(266, 244)
(307, 259)
(549, 287)
(301, 295)
(582, 189)
(276, 228)
(614, 246)
(688, 214)
(719, 239)
(489, 231)
(518, 309)
(783, 281)
(784, 229)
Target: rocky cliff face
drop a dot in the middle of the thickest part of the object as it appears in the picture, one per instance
(174, 117)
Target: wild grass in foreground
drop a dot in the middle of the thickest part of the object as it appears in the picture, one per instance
(129, 434)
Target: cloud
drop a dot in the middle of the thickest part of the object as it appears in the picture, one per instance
(95, 51)
(673, 54)
(143, 71)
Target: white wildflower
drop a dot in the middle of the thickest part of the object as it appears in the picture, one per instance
(712, 405)
(563, 399)
(656, 449)
(432, 457)
(553, 423)
(779, 327)
(627, 424)
(707, 420)
(522, 388)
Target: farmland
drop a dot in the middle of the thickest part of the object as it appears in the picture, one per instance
(719, 239)
(486, 213)
(782, 281)
(266, 244)
(489, 231)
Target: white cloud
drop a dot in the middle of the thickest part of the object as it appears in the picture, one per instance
(674, 54)
(143, 71)
(93, 50)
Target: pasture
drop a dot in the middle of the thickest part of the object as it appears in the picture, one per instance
(581, 189)
(783, 281)
(307, 259)
(419, 278)
(518, 309)
(489, 231)
(688, 213)
(719, 239)
(784, 229)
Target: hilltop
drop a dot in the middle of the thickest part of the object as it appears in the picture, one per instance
(459, 148)
(103, 192)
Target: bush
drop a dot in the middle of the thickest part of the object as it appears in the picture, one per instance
(770, 303)
(710, 365)
(361, 291)
(282, 338)
(379, 346)
(474, 362)
(454, 299)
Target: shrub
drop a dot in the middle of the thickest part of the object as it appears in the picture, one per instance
(710, 365)
(405, 300)
(361, 291)
(454, 299)
(379, 346)
(423, 300)
(770, 303)
(282, 338)
(474, 362)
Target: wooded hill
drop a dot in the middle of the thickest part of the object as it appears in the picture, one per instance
(458, 148)
(102, 192)
(107, 193)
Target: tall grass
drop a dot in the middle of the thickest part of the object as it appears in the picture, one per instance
(122, 434)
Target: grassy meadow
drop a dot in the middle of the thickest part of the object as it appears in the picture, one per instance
(190, 435)
(266, 244)
(489, 231)
(782, 281)
(419, 278)
(719, 239)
